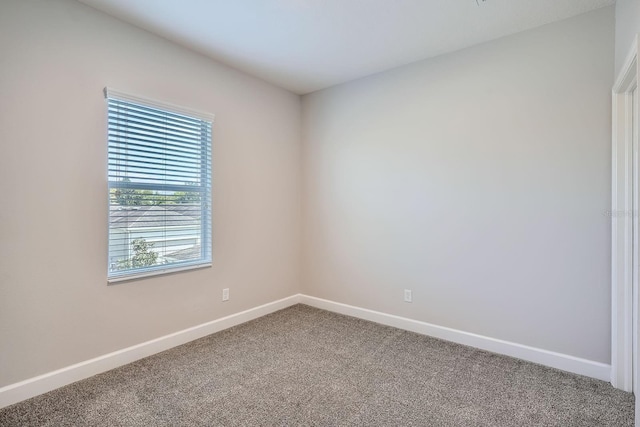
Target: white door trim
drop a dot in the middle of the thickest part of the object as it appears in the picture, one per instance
(622, 219)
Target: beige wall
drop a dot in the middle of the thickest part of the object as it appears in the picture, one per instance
(55, 306)
(627, 27)
(480, 180)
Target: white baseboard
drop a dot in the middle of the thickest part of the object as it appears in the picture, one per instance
(41, 384)
(23, 390)
(552, 359)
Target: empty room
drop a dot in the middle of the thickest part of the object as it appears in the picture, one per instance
(319, 213)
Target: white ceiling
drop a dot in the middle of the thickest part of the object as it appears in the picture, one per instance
(306, 45)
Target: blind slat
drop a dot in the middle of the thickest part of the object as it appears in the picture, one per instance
(143, 116)
(131, 148)
(179, 141)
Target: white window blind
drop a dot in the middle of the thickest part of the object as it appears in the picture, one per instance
(159, 187)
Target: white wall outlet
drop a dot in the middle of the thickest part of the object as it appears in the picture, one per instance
(225, 294)
(408, 295)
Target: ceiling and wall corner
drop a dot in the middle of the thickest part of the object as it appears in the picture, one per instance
(305, 46)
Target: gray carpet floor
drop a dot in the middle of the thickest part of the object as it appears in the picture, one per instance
(304, 366)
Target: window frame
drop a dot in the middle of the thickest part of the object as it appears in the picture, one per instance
(204, 190)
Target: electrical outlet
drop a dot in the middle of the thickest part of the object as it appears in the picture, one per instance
(225, 294)
(408, 295)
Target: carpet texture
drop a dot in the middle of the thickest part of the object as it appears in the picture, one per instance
(304, 366)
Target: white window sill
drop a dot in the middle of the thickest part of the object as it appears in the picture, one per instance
(159, 272)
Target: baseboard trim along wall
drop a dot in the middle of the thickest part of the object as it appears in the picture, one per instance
(32, 387)
(564, 362)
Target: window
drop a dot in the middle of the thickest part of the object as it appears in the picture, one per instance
(159, 187)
